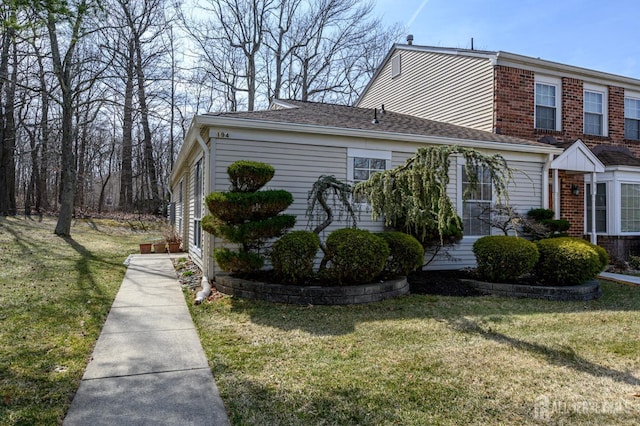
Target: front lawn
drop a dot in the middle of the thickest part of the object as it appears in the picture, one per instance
(425, 359)
(55, 294)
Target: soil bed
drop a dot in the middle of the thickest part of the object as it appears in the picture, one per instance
(442, 283)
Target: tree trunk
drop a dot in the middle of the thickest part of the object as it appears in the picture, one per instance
(7, 126)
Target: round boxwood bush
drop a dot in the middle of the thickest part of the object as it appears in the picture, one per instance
(406, 253)
(237, 261)
(503, 258)
(568, 261)
(292, 256)
(249, 176)
(355, 256)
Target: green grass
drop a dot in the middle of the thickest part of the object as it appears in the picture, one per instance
(422, 360)
(55, 294)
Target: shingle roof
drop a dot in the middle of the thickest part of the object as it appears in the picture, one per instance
(615, 156)
(348, 117)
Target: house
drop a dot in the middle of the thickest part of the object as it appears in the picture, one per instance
(306, 140)
(504, 93)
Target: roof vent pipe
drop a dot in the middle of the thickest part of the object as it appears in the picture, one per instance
(410, 39)
(375, 116)
(382, 110)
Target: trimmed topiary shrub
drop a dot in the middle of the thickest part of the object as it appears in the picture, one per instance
(406, 253)
(568, 261)
(540, 214)
(249, 176)
(292, 256)
(355, 256)
(503, 258)
(246, 216)
(238, 261)
(238, 207)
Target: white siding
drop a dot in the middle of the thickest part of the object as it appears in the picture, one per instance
(437, 86)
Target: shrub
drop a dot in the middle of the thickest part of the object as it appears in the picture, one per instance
(634, 262)
(234, 261)
(569, 261)
(406, 253)
(238, 207)
(356, 256)
(249, 233)
(503, 258)
(540, 214)
(292, 256)
(249, 176)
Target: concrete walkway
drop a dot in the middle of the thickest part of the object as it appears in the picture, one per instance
(148, 366)
(620, 278)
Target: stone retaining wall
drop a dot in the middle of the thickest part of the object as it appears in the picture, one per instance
(314, 295)
(590, 290)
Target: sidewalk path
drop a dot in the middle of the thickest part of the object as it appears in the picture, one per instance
(148, 366)
(620, 278)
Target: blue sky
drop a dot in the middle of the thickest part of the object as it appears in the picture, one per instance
(601, 35)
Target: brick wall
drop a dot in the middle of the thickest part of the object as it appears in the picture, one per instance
(572, 206)
(514, 102)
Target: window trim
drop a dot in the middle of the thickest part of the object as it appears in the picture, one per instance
(365, 153)
(619, 215)
(635, 96)
(548, 81)
(396, 65)
(196, 234)
(602, 90)
(460, 201)
(587, 207)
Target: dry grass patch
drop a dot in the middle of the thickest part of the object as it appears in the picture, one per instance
(55, 294)
(427, 360)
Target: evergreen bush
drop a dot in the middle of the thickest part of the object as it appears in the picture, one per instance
(569, 261)
(406, 253)
(246, 216)
(249, 176)
(293, 254)
(355, 256)
(504, 258)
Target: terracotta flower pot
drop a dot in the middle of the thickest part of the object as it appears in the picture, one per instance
(160, 247)
(145, 248)
(174, 247)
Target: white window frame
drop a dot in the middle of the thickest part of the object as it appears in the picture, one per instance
(396, 65)
(460, 201)
(549, 81)
(634, 96)
(180, 207)
(602, 90)
(353, 153)
(587, 207)
(196, 243)
(625, 182)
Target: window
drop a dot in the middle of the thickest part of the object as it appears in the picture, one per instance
(632, 118)
(362, 163)
(630, 207)
(601, 207)
(179, 208)
(475, 208)
(197, 205)
(595, 111)
(395, 66)
(545, 106)
(363, 168)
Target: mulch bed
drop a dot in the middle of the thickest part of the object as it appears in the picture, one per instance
(442, 283)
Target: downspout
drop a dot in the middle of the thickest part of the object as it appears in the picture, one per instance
(556, 194)
(545, 181)
(206, 288)
(594, 190)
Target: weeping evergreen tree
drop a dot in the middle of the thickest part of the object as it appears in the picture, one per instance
(413, 197)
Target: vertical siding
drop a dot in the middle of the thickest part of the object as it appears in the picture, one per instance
(437, 86)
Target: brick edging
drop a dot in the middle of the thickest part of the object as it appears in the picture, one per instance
(589, 290)
(314, 295)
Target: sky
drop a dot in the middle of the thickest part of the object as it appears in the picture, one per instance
(600, 35)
